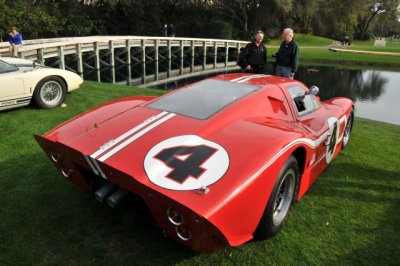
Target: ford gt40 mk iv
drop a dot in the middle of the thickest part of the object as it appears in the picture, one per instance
(215, 163)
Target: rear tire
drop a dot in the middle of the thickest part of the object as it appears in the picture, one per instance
(283, 196)
(50, 92)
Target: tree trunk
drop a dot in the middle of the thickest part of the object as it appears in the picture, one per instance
(366, 25)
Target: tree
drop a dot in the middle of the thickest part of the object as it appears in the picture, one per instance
(373, 9)
(304, 13)
(239, 10)
(199, 18)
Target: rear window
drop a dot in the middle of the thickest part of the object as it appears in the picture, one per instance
(203, 99)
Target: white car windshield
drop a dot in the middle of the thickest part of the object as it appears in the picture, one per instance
(5, 68)
(203, 99)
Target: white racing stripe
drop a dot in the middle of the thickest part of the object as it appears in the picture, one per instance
(311, 143)
(89, 161)
(95, 166)
(98, 168)
(134, 137)
(114, 142)
(247, 78)
(113, 146)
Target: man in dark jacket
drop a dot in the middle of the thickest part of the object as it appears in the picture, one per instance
(287, 57)
(254, 56)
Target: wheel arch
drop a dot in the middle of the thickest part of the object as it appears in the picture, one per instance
(63, 79)
(300, 154)
(48, 77)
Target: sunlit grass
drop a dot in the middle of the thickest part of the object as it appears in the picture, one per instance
(306, 39)
(390, 46)
(349, 217)
(315, 49)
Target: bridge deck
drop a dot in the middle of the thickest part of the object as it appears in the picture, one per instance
(92, 53)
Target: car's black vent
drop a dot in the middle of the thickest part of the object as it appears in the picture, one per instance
(133, 202)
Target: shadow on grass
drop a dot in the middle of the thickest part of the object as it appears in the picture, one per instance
(366, 201)
(47, 220)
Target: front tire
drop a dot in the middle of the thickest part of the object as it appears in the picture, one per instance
(50, 92)
(283, 196)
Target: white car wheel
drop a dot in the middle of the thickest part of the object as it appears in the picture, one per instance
(50, 92)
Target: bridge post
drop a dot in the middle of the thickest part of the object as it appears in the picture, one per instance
(169, 58)
(20, 54)
(112, 60)
(40, 55)
(61, 63)
(238, 49)
(226, 54)
(143, 47)
(156, 44)
(215, 54)
(128, 60)
(78, 48)
(97, 60)
(181, 56)
(192, 53)
(204, 55)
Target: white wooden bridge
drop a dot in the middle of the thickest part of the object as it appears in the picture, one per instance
(169, 58)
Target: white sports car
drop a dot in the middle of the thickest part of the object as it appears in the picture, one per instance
(23, 80)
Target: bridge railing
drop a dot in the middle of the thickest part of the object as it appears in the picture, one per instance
(96, 51)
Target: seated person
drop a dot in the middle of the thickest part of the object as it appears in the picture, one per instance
(15, 40)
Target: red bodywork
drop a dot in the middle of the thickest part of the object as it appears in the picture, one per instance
(259, 133)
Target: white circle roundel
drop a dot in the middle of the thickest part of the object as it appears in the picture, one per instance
(186, 163)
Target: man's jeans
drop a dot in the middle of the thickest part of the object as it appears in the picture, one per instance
(283, 71)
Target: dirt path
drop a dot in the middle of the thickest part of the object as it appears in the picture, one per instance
(342, 50)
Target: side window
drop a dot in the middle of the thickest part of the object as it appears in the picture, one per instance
(305, 103)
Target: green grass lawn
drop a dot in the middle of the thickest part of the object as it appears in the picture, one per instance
(305, 39)
(314, 49)
(349, 217)
(390, 46)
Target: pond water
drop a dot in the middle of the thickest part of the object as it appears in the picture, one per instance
(376, 93)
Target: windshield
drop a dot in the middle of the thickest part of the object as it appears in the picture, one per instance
(203, 99)
(4, 67)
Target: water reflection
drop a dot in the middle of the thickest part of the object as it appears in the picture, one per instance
(374, 92)
(386, 106)
(359, 85)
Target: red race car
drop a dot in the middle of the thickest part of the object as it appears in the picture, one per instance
(215, 163)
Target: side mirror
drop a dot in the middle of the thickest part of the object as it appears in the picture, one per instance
(36, 64)
(314, 90)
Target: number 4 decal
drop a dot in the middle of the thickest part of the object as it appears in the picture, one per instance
(186, 163)
(332, 139)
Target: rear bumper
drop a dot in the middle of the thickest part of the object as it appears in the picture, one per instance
(193, 230)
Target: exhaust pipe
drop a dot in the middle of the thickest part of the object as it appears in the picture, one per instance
(117, 197)
(104, 191)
